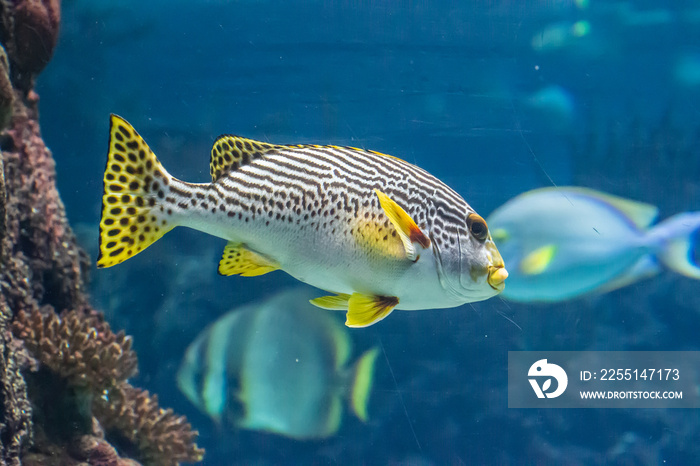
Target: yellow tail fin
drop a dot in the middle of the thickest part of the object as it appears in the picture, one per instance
(362, 383)
(134, 183)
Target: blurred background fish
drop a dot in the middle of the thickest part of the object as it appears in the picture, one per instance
(278, 366)
(561, 243)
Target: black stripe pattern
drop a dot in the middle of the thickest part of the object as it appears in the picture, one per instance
(319, 188)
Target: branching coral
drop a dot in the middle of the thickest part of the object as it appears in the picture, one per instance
(81, 348)
(42, 272)
(162, 437)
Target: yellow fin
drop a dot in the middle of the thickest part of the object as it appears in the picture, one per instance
(362, 383)
(538, 260)
(407, 229)
(334, 417)
(131, 219)
(364, 310)
(332, 303)
(238, 260)
(230, 152)
(640, 213)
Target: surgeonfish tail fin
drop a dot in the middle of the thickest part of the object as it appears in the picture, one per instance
(679, 237)
(363, 373)
(134, 185)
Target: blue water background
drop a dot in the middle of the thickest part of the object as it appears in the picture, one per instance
(494, 98)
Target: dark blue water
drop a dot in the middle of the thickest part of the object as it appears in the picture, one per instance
(494, 98)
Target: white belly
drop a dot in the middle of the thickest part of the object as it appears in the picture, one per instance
(337, 264)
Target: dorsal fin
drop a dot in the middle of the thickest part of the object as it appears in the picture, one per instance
(641, 214)
(230, 152)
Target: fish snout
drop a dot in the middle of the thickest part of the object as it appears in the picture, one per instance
(497, 275)
(497, 272)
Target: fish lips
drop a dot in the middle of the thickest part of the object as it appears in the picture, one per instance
(497, 277)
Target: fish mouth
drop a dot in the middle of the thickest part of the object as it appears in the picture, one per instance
(497, 277)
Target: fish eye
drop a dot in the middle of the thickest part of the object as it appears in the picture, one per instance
(477, 226)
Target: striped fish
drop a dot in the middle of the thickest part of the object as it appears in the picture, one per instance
(378, 232)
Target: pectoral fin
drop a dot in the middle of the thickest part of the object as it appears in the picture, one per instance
(538, 260)
(640, 213)
(364, 310)
(237, 260)
(407, 229)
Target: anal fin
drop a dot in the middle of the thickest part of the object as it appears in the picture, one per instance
(238, 260)
(365, 310)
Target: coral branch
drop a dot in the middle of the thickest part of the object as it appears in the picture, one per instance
(161, 437)
(47, 403)
(82, 350)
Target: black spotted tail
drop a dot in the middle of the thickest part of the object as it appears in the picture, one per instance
(134, 183)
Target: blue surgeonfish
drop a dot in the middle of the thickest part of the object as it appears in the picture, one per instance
(278, 366)
(565, 242)
(375, 231)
